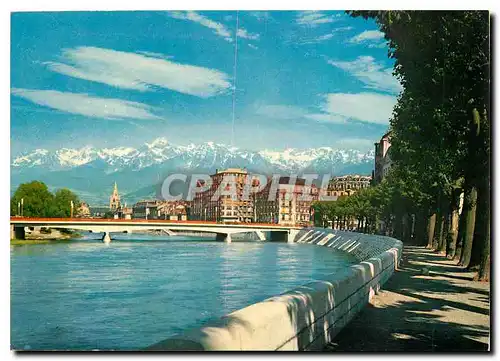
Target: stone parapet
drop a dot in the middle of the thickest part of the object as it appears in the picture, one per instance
(309, 316)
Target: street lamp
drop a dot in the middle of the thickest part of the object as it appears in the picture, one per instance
(72, 206)
(22, 206)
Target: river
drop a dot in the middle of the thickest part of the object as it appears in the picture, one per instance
(141, 289)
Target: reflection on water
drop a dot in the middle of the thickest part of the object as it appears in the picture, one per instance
(85, 295)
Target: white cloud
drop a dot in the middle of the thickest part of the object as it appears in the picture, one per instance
(316, 40)
(253, 46)
(261, 15)
(314, 18)
(139, 72)
(370, 38)
(325, 37)
(292, 112)
(218, 28)
(83, 104)
(366, 107)
(367, 35)
(155, 55)
(373, 74)
(242, 33)
(327, 118)
(337, 108)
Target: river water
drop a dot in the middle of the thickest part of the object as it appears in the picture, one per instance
(141, 289)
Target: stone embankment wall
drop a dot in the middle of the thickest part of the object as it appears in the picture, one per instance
(40, 233)
(309, 316)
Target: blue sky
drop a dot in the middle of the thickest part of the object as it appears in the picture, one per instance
(304, 79)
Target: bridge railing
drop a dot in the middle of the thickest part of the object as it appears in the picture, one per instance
(14, 219)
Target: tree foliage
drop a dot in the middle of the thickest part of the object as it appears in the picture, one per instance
(440, 132)
(35, 200)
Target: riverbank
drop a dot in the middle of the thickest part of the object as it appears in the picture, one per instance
(40, 234)
(44, 236)
(439, 310)
(24, 242)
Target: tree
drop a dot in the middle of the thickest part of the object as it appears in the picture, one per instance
(36, 200)
(61, 206)
(440, 127)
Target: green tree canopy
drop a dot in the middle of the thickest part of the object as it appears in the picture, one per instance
(62, 203)
(34, 199)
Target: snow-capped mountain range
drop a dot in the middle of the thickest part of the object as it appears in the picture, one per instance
(87, 169)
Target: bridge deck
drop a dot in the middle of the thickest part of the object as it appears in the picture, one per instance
(156, 222)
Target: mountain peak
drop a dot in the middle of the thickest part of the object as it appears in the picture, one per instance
(158, 142)
(193, 156)
(133, 168)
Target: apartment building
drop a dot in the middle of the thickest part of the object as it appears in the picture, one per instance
(224, 207)
(347, 185)
(287, 206)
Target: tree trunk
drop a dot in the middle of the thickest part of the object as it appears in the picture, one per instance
(476, 151)
(419, 229)
(407, 223)
(481, 242)
(438, 230)
(437, 242)
(451, 243)
(484, 265)
(444, 232)
(430, 229)
(438, 235)
(470, 220)
(397, 229)
(461, 231)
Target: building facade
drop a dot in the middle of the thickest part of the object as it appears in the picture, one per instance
(347, 185)
(83, 210)
(174, 210)
(382, 158)
(224, 208)
(291, 205)
(158, 209)
(99, 211)
(123, 212)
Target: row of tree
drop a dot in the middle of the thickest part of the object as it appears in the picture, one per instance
(440, 136)
(38, 201)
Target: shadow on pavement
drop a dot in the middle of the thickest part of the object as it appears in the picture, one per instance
(422, 313)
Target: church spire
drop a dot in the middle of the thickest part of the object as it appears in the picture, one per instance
(114, 200)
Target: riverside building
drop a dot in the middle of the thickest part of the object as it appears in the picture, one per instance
(159, 209)
(224, 208)
(347, 185)
(287, 206)
(382, 158)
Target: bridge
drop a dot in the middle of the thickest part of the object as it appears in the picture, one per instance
(223, 231)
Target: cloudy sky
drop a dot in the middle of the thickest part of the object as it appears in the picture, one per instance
(303, 79)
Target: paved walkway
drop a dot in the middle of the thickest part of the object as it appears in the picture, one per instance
(441, 311)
